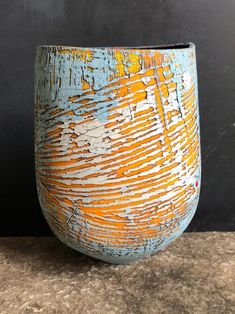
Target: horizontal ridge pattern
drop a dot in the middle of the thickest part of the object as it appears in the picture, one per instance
(117, 147)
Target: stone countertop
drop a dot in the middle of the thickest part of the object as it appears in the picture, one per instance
(195, 274)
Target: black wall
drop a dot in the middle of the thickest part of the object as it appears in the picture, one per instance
(26, 23)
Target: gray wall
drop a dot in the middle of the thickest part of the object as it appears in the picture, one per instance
(27, 23)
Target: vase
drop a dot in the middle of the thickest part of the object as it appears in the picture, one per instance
(117, 146)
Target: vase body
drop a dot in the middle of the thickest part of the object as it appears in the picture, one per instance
(117, 146)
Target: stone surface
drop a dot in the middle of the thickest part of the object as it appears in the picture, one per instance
(195, 274)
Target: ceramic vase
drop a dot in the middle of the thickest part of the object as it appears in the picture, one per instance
(117, 146)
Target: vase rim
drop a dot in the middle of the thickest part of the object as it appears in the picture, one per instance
(178, 46)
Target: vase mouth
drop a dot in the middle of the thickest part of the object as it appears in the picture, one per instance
(178, 46)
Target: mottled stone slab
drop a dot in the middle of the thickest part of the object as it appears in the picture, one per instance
(195, 274)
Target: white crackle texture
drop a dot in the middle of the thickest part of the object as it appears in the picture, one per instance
(117, 147)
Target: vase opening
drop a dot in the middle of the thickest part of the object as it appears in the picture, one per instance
(154, 47)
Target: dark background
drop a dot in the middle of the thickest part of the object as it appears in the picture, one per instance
(210, 24)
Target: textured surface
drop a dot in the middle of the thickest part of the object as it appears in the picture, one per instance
(193, 275)
(117, 147)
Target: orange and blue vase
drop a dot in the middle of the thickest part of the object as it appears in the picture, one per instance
(117, 146)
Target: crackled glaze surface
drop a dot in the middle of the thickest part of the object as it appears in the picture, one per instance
(117, 147)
